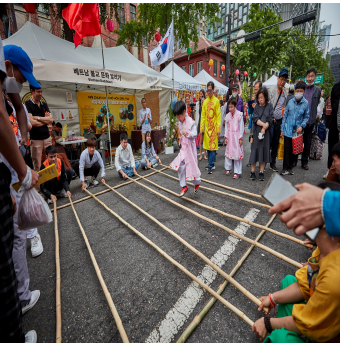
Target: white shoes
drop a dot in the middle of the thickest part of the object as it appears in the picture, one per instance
(325, 176)
(93, 181)
(34, 299)
(155, 165)
(31, 337)
(36, 246)
(63, 194)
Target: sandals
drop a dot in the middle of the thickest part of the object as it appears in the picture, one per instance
(201, 157)
(206, 158)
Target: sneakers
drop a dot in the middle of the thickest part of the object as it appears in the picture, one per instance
(273, 167)
(305, 167)
(284, 172)
(228, 172)
(63, 194)
(291, 172)
(93, 181)
(252, 175)
(235, 176)
(31, 337)
(36, 246)
(86, 183)
(155, 165)
(197, 186)
(183, 191)
(210, 170)
(34, 299)
(207, 167)
(261, 176)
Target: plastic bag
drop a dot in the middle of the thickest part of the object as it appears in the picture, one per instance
(280, 150)
(33, 211)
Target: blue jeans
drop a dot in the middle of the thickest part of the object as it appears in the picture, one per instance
(211, 158)
(129, 170)
(153, 161)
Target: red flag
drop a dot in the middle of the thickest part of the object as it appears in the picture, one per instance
(30, 8)
(83, 19)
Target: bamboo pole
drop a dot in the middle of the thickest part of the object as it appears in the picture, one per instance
(194, 250)
(107, 190)
(232, 232)
(288, 237)
(226, 187)
(57, 263)
(177, 264)
(102, 282)
(219, 192)
(199, 317)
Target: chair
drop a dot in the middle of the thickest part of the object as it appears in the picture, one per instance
(90, 135)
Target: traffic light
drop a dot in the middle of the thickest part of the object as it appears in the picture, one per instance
(253, 36)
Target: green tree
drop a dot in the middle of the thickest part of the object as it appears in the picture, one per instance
(158, 16)
(260, 55)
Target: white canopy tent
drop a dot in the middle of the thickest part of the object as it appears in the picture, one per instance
(59, 67)
(182, 80)
(272, 81)
(203, 77)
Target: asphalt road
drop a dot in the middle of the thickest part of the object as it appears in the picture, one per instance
(146, 288)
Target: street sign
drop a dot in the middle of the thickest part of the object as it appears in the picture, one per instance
(240, 40)
(318, 79)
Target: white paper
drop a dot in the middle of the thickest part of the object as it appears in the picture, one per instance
(69, 99)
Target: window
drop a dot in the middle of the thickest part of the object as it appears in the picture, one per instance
(235, 24)
(221, 72)
(219, 30)
(191, 69)
(223, 10)
(175, 47)
(222, 30)
(121, 14)
(133, 12)
(240, 12)
(240, 22)
(236, 6)
(184, 68)
(215, 68)
(231, 6)
(199, 66)
(244, 19)
(200, 32)
(145, 43)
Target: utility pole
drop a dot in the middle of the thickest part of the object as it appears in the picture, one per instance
(227, 70)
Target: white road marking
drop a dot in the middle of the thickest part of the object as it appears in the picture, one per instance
(180, 312)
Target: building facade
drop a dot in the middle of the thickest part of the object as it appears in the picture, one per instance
(335, 67)
(334, 51)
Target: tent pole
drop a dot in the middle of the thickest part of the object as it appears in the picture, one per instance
(173, 61)
(107, 107)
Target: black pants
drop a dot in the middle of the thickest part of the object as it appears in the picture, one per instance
(333, 138)
(10, 306)
(93, 171)
(275, 140)
(289, 158)
(326, 120)
(69, 173)
(307, 138)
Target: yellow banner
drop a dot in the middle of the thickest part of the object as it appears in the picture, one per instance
(93, 113)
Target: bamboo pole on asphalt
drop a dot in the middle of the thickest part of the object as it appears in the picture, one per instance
(57, 264)
(194, 250)
(177, 264)
(226, 187)
(102, 282)
(219, 192)
(106, 190)
(199, 317)
(288, 237)
(232, 232)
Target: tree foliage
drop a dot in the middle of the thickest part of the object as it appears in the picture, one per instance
(262, 54)
(158, 16)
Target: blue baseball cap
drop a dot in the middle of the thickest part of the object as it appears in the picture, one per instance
(19, 57)
(283, 72)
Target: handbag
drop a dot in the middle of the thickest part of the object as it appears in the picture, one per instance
(280, 150)
(297, 143)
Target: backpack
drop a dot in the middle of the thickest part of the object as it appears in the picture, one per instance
(322, 131)
(316, 147)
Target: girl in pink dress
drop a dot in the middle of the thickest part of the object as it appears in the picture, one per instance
(234, 129)
(186, 162)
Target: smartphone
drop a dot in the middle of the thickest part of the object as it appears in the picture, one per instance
(277, 190)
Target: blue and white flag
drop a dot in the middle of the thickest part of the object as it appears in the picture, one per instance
(164, 51)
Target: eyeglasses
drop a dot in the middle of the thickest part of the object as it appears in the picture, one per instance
(210, 90)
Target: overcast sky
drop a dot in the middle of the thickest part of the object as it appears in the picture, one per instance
(330, 13)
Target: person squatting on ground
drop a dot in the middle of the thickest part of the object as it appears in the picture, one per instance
(58, 185)
(211, 125)
(234, 130)
(186, 162)
(125, 163)
(260, 148)
(295, 118)
(90, 163)
(13, 73)
(149, 156)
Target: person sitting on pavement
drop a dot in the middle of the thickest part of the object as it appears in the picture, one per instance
(57, 185)
(149, 156)
(90, 163)
(125, 163)
(294, 120)
(334, 172)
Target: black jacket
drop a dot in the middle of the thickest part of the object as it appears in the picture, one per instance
(53, 186)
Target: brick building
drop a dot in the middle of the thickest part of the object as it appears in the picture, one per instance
(127, 12)
(199, 59)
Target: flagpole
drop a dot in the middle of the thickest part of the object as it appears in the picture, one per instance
(107, 107)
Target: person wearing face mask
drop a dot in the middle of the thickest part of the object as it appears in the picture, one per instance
(239, 100)
(312, 95)
(294, 120)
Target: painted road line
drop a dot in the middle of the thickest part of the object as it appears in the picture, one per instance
(180, 312)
